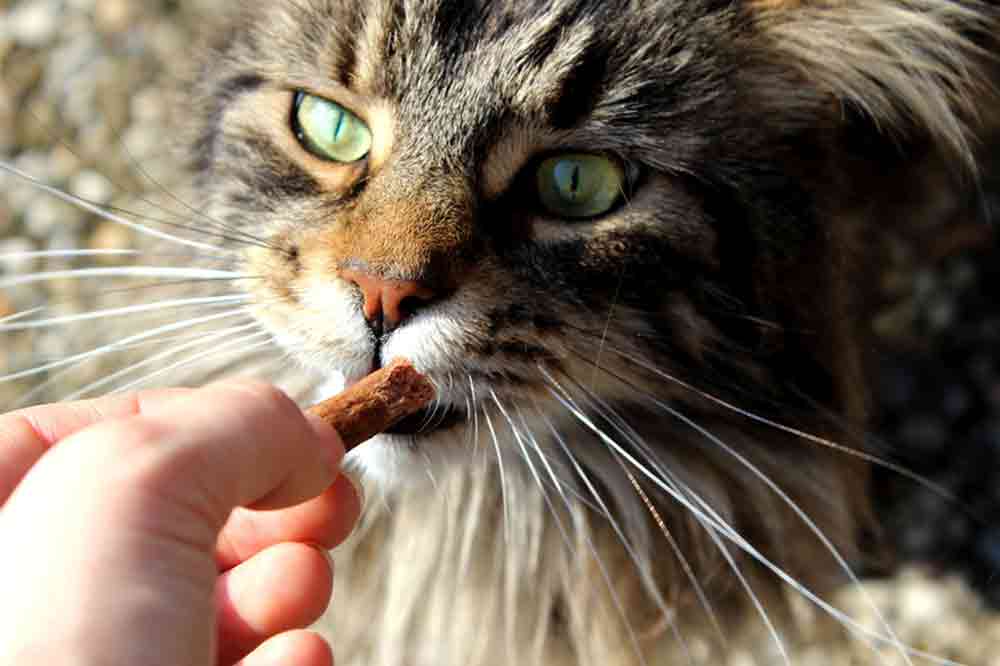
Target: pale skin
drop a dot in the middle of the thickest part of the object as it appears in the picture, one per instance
(169, 528)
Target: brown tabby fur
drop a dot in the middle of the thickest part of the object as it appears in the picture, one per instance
(766, 134)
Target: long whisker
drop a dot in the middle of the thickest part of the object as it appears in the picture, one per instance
(602, 567)
(754, 599)
(220, 350)
(622, 427)
(939, 490)
(120, 271)
(545, 496)
(678, 553)
(214, 230)
(23, 314)
(103, 212)
(781, 494)
(66, 254)
(156, 358)
(503, 478)
(115, 346)
(723, 528)
(240, 236)
(475, 416)
(58, 377)
(685, 565)
(228, 228)
(710, 526)
(124, 311)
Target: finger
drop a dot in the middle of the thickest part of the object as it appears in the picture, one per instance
(184, 463)
(248, 444)
(26, 435)
(138, 504)
(325, 521)
(282, 588)
(302, 648)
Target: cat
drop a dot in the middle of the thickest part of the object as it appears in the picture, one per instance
(628, 241)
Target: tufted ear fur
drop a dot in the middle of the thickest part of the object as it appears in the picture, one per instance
(916, 69)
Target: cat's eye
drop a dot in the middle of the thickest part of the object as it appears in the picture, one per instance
(580, 185)
(329, 131)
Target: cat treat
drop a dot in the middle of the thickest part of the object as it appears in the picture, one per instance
(376, 403)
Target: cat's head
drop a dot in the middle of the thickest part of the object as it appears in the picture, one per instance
(588, 221)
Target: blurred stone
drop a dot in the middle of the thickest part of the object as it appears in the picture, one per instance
(46, 214)
(6, 218)
(12, 259)
(6, 307)
(110, 236)
(92, 186)
(33, 24)
(113, 15)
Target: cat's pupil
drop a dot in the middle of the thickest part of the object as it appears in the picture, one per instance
(568, 175)
(580, 185)
(329, 131)
(339, 126)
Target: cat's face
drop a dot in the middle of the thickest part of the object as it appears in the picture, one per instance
(521, 198)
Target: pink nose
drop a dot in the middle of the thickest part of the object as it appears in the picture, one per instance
(388, 302)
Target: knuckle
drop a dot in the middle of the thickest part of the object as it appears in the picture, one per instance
(269, 397)
(129, 436)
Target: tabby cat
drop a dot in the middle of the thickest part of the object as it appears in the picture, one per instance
(628, 240)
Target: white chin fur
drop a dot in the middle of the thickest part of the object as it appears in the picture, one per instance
(388, 462)
(395, 462)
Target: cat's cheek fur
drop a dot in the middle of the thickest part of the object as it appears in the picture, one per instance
(321, 326)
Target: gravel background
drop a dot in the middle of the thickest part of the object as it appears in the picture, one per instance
(82, 99)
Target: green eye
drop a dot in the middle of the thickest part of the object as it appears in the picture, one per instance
(330, 131)
(580, 185)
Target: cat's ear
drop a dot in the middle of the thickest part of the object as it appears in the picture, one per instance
(909, 66)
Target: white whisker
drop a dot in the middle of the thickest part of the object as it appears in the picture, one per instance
(24, 314)
(124, 311)
(65, 254)
(783, 496)
(220, 350)
(199, 341)
(59, 377)
(802, 515)
(106, 214)
(475, 416)
(632, 436)
(651, 587)
(723, 528)
(755, 600)
(116, 346)
(503, 478)
(861, 455)
(602, 567)
(121, 271)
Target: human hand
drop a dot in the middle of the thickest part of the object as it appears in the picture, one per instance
(121, 543)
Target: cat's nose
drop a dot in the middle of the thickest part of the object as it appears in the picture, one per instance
(388, 302)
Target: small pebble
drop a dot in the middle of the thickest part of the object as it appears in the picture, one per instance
(6, 308)
(33, 24)
(12, 259)
(92, 186)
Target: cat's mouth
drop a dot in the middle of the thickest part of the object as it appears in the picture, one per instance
(429, 421)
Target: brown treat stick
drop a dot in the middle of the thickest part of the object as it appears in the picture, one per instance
(376, 403)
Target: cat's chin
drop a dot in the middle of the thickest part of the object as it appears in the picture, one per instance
(394, 462)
